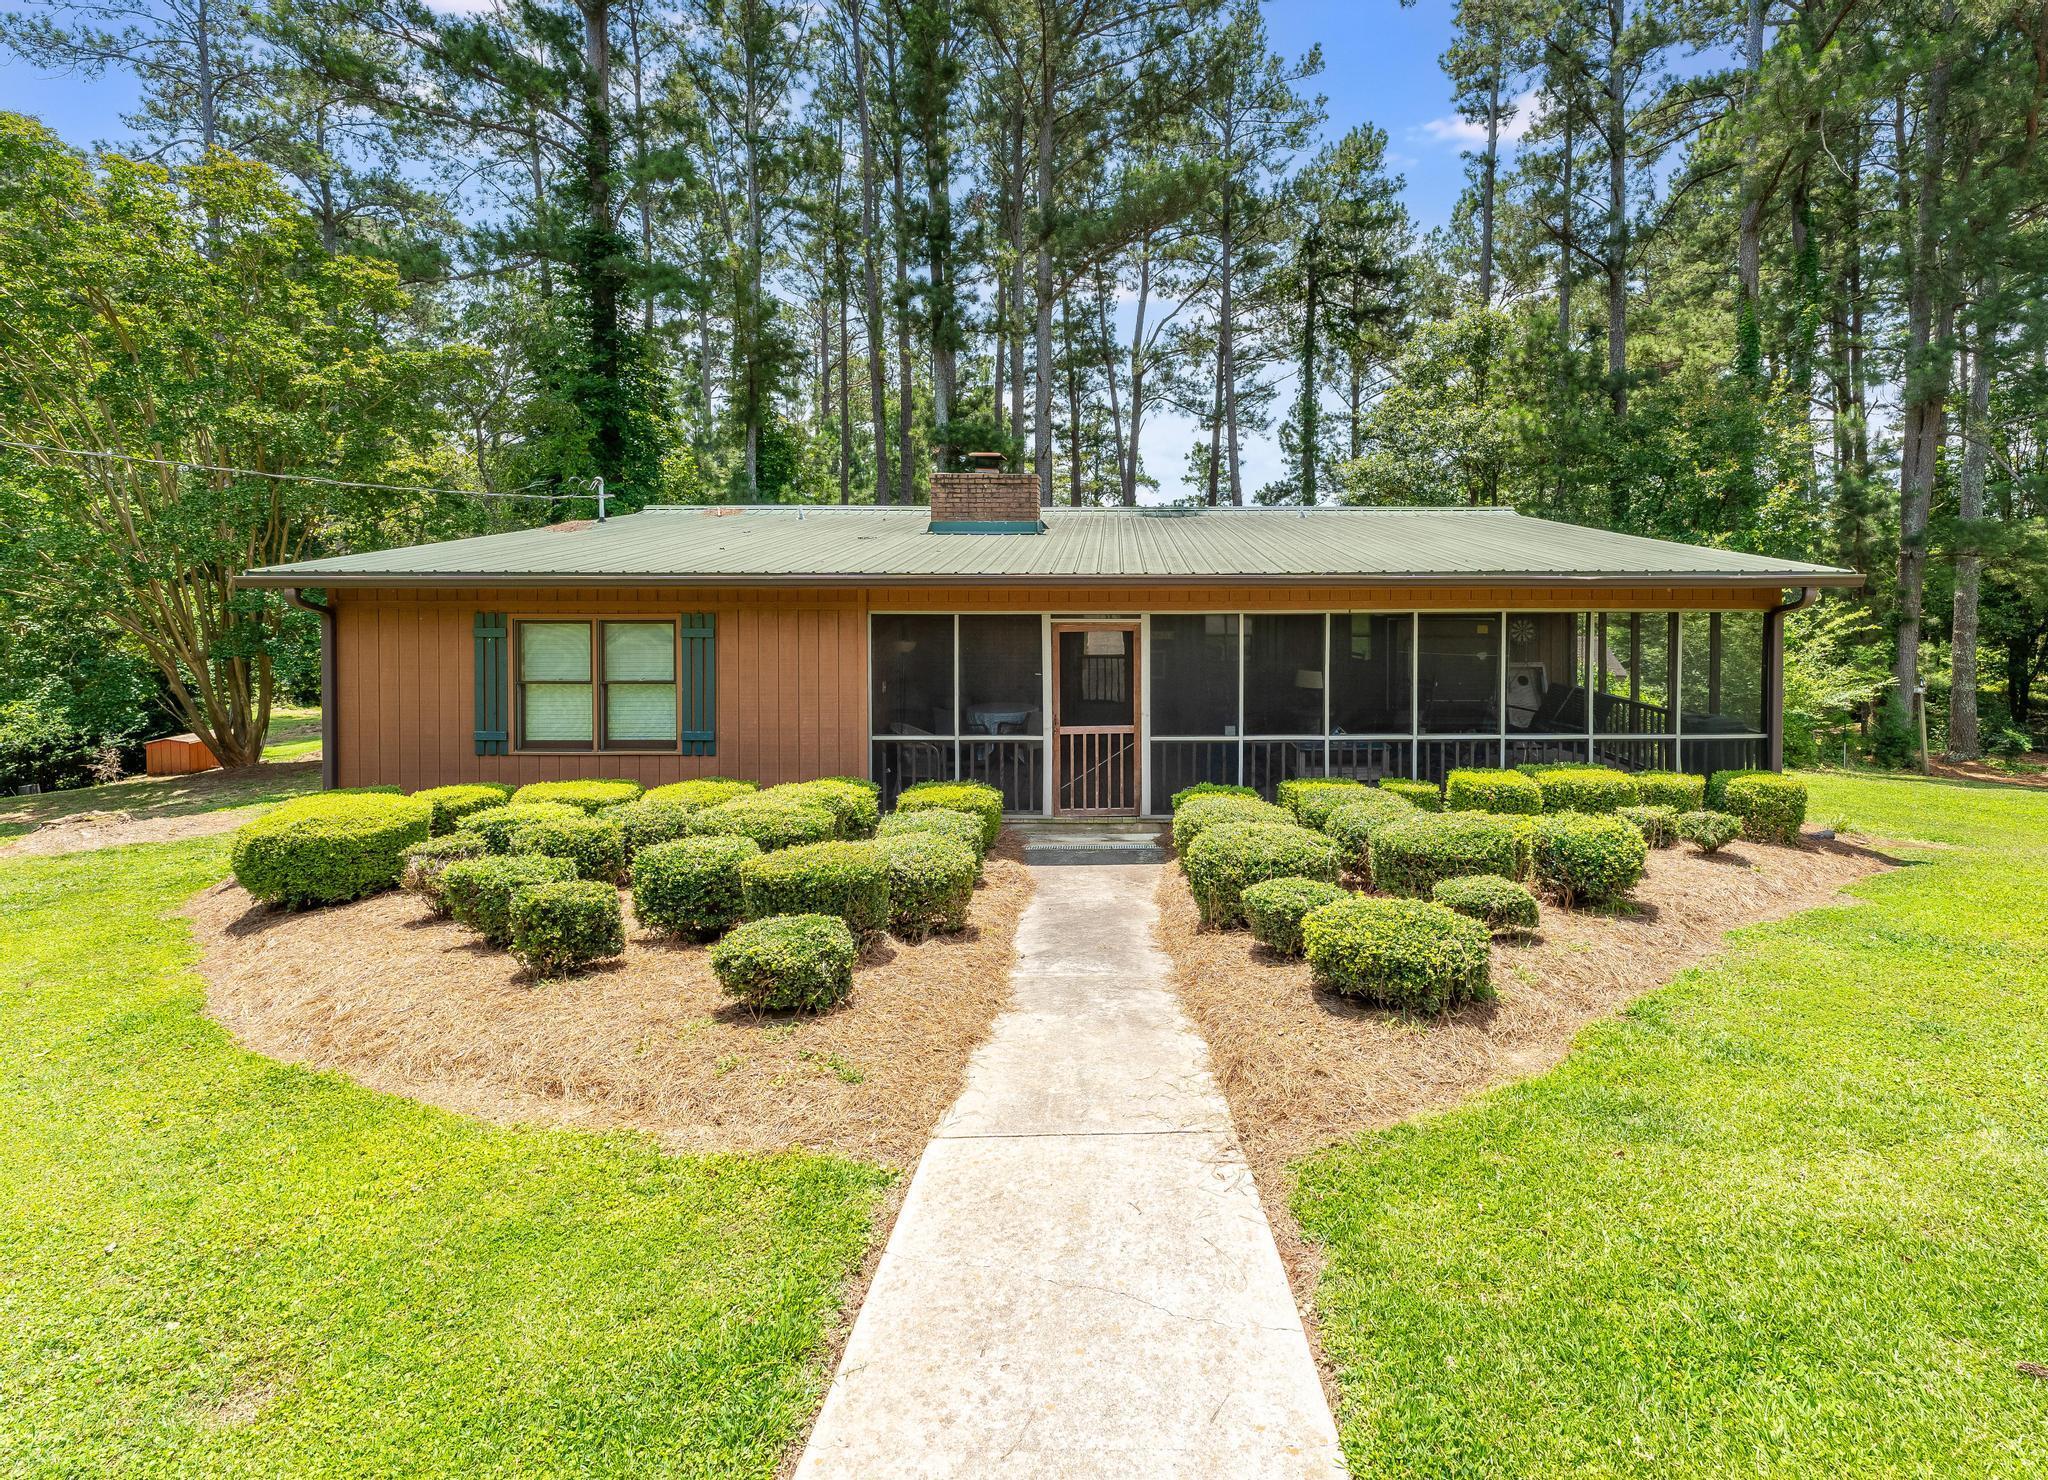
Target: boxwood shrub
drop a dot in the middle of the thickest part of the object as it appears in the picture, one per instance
(591, 795)
(1657, 824)
(425, 861)
(703, 791)
(787, 962)
(495, 825)
(1673, 789)
(1274, 907)
(872, 788)
(931, 882)
(1410, 855)
(1201, 813)
(1292, 793)
(937, 822)
(480, 890)
(453, 803)
(328, 848)
(854, 809)
(1318, 804)
(1709, 832)
(849, 880)
(1771, 805)
(558, 927)
(1230, 857)
(1405, 953)
(594, 844)
(1588, 858)
(1482, 789)
(1498, 904)
(646, 822)
(1354, 823)
(773, 822)
(1208, 789)
(691, 887)
(1587, 789)
(972, 797)
(1420, 794)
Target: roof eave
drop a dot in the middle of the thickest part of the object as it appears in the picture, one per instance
(1770, 580)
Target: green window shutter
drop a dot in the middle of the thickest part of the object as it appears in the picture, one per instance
(699, 681)
(493, 728)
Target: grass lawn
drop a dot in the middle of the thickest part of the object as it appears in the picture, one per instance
(163, 796)
(1786, 1216)
(213, 1263)
(294, 733)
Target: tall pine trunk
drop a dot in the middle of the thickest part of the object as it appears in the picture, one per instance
(1963, 743)
(870, 241)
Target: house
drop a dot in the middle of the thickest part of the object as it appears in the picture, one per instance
(1085, 661)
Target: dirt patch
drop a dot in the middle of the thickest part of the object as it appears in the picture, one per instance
(1304, 1068)
(89, 830)
(401, 1001)
(2027, 770)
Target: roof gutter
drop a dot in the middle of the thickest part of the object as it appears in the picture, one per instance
(1774, 580)
(330, 758)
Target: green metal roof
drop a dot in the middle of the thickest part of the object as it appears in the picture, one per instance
(787, 544)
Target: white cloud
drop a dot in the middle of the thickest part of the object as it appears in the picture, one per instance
(1466, 133)
(460, 7)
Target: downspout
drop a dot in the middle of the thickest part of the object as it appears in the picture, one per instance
(1774, 673)
(330, 758)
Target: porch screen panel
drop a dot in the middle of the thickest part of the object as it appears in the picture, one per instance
(1635, 673)
(1371, 673)
(1194, 675)
(1002, 676)
(1721, 708)
(913, 675)
(1458, 675)
(1283, 676)
(555, 683)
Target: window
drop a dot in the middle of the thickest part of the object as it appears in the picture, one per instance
(597, 685)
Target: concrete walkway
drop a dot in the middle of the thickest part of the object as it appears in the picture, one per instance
(1081, 1281)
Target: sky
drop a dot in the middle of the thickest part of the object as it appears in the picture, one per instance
(1379, 66)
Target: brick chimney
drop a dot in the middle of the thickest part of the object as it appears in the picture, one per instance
(985, 503)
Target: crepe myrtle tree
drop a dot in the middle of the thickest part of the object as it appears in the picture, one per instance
(159, 326)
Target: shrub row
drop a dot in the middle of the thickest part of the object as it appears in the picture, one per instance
(592, 795)
(452, 804)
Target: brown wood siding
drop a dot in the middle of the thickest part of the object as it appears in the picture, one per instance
(791, 664)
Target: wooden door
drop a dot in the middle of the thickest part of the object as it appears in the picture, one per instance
(1095, 721)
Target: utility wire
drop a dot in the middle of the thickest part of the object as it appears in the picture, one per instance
(191, 467)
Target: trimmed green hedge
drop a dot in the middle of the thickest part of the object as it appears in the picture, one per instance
(1318, 804)
(1588, 858)
(1201, 813)
(1423, 795)
(1208, 789)
(931, 883)
(1588, 789)
(1230, 857)
(849, 880)
(1658, 825)
(1772, 806)
(773, 822)
(1404, 953)
(872, 788)
(1483, 789)
(496, 825)
(425, 861)
(1411, 855)
(972, 797)
(938, 822)
(480, 890)
(591, 795)
(1292, 793)
(329, 847)
(704, 791)
(854, 809)
(1498, 904)
(787, 963)
(1709, 832)
(691, 887)
(594, 844)
(647, 822)
(1274, 909)
(453, 803)
(1674, 789)
(1354, 824)
(559, 927)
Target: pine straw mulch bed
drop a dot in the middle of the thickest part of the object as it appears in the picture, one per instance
(398, 1000)
(1303, 1068)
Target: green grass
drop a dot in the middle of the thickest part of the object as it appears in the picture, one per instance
(294, 733)
(211, 1263)
(164, 796)
(1786, 1216)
